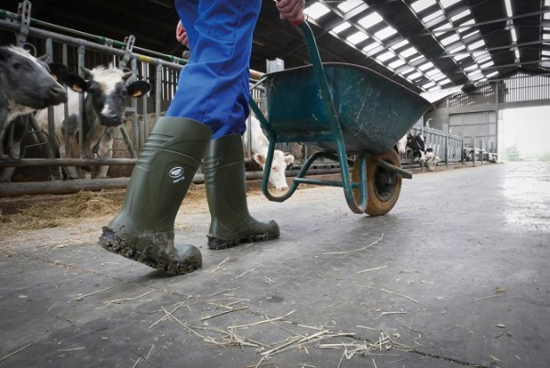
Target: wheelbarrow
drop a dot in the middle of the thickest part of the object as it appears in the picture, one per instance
(352, 114)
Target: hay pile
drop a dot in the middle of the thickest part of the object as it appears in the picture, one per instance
(79, 207)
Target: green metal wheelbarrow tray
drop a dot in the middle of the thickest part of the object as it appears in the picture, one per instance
(344, 110)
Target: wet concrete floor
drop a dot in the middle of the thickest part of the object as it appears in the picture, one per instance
(458, 274)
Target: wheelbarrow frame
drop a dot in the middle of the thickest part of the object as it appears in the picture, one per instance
(337, 137)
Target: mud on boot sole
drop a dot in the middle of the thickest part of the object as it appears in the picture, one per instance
(112, 243)
(217, 244)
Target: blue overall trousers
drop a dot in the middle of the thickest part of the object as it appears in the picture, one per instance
(213, 86)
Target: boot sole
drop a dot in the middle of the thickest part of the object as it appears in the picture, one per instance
(113, 245)
(218, 244)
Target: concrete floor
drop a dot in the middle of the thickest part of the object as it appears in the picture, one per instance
(456, 275)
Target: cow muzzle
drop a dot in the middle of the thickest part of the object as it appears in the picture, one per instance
(57, 95)
(110, 120)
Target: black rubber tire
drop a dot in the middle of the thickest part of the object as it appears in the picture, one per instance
(383, 187)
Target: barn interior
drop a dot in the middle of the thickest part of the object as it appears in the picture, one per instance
(455, 275)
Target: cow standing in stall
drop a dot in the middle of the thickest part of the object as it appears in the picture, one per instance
(259, 145)
(105, 91)
(26, 85)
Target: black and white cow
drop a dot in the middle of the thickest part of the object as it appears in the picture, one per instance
(26, 85)
(416, 143)
(105, 91)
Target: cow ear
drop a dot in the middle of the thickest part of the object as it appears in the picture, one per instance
(259, 158)
(58, 70)
(75, 83)
(138, 88)
(289, 159)
(4, 53)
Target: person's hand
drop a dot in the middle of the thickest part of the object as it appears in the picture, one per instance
(291, 10)
(181, 35)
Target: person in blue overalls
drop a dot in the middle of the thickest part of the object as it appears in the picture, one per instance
(205, 120)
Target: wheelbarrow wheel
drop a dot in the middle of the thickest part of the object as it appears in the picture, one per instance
(383, 186)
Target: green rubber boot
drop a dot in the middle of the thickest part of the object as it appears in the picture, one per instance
(224, 178)
(144, 228)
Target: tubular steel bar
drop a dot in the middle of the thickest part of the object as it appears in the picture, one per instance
(74, 186)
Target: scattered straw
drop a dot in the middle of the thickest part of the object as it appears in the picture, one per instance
(355, 250)
(401, 295)
(137, 362)
(82, 297)
(244, 273)
(17, 351)
(372, 269)
(219, 266)
(222, 313)
(122, 300)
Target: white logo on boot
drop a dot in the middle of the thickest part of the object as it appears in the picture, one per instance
(177, 174)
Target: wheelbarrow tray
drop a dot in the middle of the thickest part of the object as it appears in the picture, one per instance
(373, 111)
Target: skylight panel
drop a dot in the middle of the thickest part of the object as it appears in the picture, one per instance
(460, 15)
(481, 60)
(341, 27)
(432, 16)
(371, 46)
(476, 45)
(448, 40)
(546, 2)
(426, 66)
(408, 52)
(447, 3)
(357, 37)
(508, 6)
(490, 75)
(399, 45)
(348, 5)
(470, 34)
(420, 5)
(385, 33)
(470, 68)
(457, 49)
(546, 16)
(445, 81)
(468, 23)
(419, 57)
(516, 52)
(385, 56)
(439, 77)
(443, 28)
(546, 36)
(514, 35)
(316, 11)
(370, 20)
(460, 57)
(433, 72)
(396, 64)
(434, 88)
(486, 65)
(415, 76)
(407, 71)
(428, 85)
(546, 53)
(475, 77)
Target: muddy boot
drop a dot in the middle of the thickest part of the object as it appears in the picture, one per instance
(224, 178)
(144, 228)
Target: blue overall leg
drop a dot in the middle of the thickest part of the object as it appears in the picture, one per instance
(213, 86)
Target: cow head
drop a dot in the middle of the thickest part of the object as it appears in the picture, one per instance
(277, 176)
(26, 83)
(416, 142)
(107, 89)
